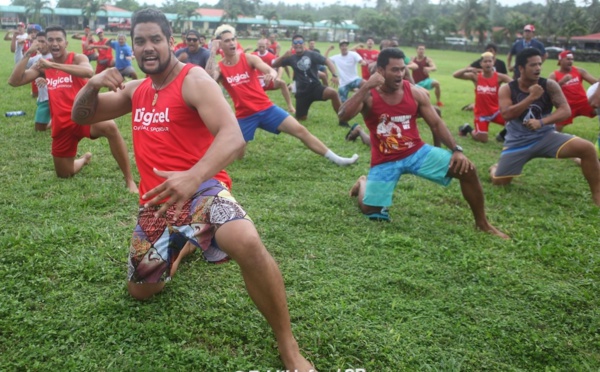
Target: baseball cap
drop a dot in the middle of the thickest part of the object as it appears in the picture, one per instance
(564, 54)
(193, 32)
(344, 41)
(35, 27)
(20, 24)
(529, 28)
(99, 30)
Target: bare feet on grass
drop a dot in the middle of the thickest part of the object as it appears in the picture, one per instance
(293, 360)
(187, 249)
(492, 230)
(87, 158)
(356, 187)
(131, 186)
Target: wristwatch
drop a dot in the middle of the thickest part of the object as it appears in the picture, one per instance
(457, 148)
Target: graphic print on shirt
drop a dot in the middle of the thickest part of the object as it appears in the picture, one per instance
(389, 131)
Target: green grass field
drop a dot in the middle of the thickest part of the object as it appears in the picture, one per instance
(424, 292)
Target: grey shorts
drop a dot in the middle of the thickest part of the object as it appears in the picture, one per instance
(513, 159)
(127, 71)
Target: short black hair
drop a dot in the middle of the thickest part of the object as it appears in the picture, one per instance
(388, 53)
(41, 33)
(297, 36)
(150, 15)
(56, 28)
(525, 54)
(492, 46)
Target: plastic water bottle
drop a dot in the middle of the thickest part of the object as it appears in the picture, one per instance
(14, 113)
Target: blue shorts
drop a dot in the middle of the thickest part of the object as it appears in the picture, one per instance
(343, 91)
(156, 243)
(427, 84)
(269, 120)
(428, 162)
(42, 113)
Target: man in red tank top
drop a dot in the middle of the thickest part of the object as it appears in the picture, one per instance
(185, 133)
(487, 83)
(570, 79)
(105, 56)
(66, 73)
(86, 40)
(267, 57)
(239, 74)
(420, 73)
(389, 106)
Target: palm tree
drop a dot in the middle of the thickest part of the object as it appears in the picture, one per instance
(307, 18)
(33, 10)
(468, 13)
(186, 12)
(92, 8)
(336, 20)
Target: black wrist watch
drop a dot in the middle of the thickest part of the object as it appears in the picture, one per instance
(457, 148)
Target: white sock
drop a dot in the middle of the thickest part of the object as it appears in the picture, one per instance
(339, 160)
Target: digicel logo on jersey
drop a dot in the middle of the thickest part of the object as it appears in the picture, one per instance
(486, 89)
(153, 117)
(53, 83)
(238, 78)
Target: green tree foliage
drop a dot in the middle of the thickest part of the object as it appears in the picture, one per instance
(70, 4)
(375, 24)
(91, 10)
(33, 10)
(131, 5)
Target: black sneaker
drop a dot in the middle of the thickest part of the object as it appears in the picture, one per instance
(464, 129)
(499, 137)
(344, 124)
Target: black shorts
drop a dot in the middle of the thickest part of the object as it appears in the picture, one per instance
(306, 98)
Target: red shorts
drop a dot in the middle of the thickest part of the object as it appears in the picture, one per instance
(270, 86)
(482, 123)
(582, 108)
(65, 141)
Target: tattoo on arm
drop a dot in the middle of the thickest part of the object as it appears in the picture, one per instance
(87, 101)
(556, 95)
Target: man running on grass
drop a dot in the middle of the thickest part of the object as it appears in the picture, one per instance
(184, 134)
(389, 106)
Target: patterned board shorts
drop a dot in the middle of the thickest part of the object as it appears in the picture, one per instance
(156, 242)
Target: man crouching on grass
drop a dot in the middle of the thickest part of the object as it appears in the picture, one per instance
(390, 106)
(184, 134)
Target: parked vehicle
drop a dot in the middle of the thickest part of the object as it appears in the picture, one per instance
(124, 25)
(456, 40)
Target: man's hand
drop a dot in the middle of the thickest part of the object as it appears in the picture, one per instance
(565, 79)
(41, 82)
(533, 124)
(375, 81)
(42, 64)
(183, 57)
(460, 164)
(177, 188)
(110, 78)
(536, 91)
(215, 45)
(33, 49)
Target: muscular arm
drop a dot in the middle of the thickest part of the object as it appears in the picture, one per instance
(435, 122)
(504, 78)
(22, 75)
(91, 107)
(278, 62)
(563, 111)
(587, 76)
(432, 67)
(80, 68)
(360, 101)
(212, 67)
(467, 73)
(261, 66)
(202, 93)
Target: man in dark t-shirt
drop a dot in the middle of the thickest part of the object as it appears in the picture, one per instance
(194, 53)
(305, 64)
(499, 65)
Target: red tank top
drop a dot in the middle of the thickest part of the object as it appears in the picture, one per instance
(86, 51)
(104, 53)
(394, 132)
(62, 89)
(572, 89)
(419, 74)
(486, 95)
(241, 82)
(170, 136)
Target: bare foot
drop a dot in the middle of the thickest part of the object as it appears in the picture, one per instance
(87, 158)
(577, 161)
(354, 133)
(356, 187)
(492, 170)
(293, 360)
(187, 249)
(494, 231)
(131, 186)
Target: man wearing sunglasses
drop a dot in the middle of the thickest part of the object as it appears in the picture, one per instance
(194, 53)
(309, 89)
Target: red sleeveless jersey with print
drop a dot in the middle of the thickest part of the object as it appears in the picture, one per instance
(62, 89)
(394, 132)
(241, 82)
(170, 136)
(486, 95)
(419, 74)
(572, 89)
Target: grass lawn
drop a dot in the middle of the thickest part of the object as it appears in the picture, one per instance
(424, 292)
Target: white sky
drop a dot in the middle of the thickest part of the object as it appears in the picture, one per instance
(322, 2)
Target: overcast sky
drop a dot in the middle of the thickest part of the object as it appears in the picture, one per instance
(320, 2)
